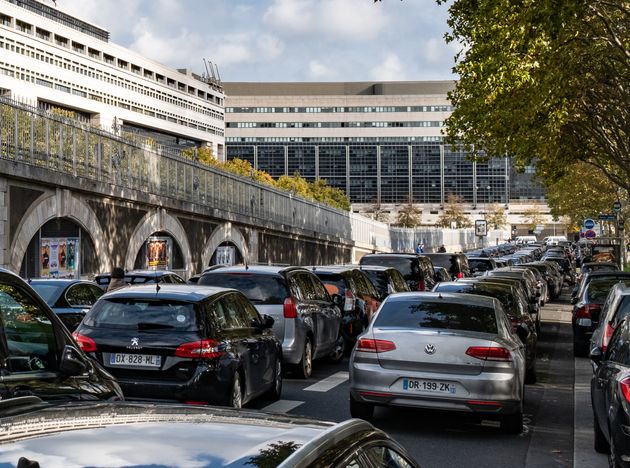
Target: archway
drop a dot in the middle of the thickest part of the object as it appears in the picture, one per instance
(226, 235)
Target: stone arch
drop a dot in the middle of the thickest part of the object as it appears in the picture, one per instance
(224, 232)
(61, 204)
(155, 221)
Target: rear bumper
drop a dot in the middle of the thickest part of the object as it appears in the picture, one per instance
(485, 393)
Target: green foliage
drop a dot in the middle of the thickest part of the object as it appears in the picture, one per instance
(319, 191)
(496, 217)
(533, 217)
(409, 216)
(453, 213)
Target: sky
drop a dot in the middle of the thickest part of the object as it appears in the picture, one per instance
(283, 40)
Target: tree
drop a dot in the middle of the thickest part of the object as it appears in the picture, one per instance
(378, 213)
(533, 217)
(544, 80)
(409, 216)
(496, 216)
(295, 184)
(453, 213)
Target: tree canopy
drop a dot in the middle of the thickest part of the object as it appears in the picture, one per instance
(453, 213)
(409, 216)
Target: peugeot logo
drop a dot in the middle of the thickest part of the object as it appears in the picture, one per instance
(429, 349)
(135, 343)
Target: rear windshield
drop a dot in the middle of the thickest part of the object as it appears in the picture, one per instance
(479, 265)
(333, 282)
(142, 314)
(598, 289)
(445, 261)
(260, 289)
(402, 264)
(412, 313)
(380, 280)
(602, 267)
(48, 292)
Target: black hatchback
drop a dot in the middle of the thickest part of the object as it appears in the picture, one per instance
(416, 269)
(193, 344)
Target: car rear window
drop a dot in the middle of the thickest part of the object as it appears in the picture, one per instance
(333, 282)
(258, 288)
(48, 292)
(598, 289)
(602, 268)
(142, 314)
(404, 265)
(413, 313)
(479, 265)
(380, 280)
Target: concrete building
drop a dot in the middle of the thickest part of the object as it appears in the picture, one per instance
(381, 142)
(55, 61)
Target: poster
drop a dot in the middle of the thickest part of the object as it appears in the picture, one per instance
(159, 253)
(59, 257)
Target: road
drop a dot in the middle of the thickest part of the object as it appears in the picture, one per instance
(558, 432)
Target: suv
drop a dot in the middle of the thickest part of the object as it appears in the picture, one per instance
(456, 264)
(386, 280)
(306, 320)
(38, 357)
(479, 265)
(416, 269)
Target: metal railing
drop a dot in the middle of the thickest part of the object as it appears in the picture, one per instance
(34, 137)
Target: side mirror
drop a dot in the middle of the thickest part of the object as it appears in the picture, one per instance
(267, 321)
(337, 300)
(574, 300)
(72, 363)
(596, 355)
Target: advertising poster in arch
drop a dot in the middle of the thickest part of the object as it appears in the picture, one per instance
(59, 257)
(159, 253)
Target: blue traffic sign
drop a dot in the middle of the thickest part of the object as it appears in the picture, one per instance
(589, 223)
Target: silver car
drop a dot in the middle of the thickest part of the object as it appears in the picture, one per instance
(453, 352)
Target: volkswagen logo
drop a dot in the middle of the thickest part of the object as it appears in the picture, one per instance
(135, 343)
(429, 349)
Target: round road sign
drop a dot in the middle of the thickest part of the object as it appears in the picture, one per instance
(589, 223)
(590, 234)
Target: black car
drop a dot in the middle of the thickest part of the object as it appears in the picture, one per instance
(38, 356)
(456, 264)
(479, 265)
(152, 435)
(184, 343)
(135, 277)
(386, 280)
(416, 269)
(70, 299)
(610, 397)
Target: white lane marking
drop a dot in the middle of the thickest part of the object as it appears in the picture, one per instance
(282, 406)
(329, 382)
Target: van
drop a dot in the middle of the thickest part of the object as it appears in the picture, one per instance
(526, 239)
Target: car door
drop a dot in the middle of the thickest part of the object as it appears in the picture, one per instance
(312, 314)
(330, 314)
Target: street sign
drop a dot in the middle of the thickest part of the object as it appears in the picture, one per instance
(607, 217)
(590, 234)
(481, 227)
(589, 223)
(617, 206)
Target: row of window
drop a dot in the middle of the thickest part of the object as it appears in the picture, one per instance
(110, 60)
(417, 123)
(306, 110)
(411, 139)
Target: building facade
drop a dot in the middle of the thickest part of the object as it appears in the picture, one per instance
(381, 142)
(55, 61)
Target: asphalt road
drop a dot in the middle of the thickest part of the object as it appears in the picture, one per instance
(446, 440)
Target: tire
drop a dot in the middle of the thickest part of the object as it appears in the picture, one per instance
(304, 368)
(513, 423)
(339, 350)
(275, 392)
(236, 394)
(600, 445)
(361, 410)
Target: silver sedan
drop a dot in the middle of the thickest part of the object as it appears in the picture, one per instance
(453, 352)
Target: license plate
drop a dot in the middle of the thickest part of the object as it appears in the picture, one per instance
(430, 386)
(135, 360)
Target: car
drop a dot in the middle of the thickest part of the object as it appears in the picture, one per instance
(440, 351)
(554, 240)
(588, 267)
(541, 282)
(184, 343)
(530, 286)
(456, 264)
(416, 269)
(150, 434)
(613, 311)
(515, 306)
(141, 277)
(526, 239)
(479, 265)
(38, 356)
(578, 290)
(386, 280)
(441, 275)
(610, 397)
(586, 312)
(307, 320)
(551, 274)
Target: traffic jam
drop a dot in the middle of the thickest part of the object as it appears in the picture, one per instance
(84, 361)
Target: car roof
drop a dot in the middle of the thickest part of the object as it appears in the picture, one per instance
(600, 264)
(454, 298)
(149, 273)
(258, 269)
(179, 292)
(58, 281)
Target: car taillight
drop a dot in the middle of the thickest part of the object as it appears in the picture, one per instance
(608, 333)
(625, 388)
(203, 349)
(368, 345)
(422, 285)
(348, 304)
(489, 353)
(86, 343)
(460, 275)
(586, 311)
(289, 308)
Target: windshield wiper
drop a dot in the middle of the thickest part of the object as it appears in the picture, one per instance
(153, 326)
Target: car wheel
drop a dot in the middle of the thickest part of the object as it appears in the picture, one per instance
(361, 410)
(275, 391)
(601, 445)
(236, 395)
(513, 423)
(305, 367)
(339, 349)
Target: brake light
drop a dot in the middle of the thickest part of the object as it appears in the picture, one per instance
(586, 311)
(289, 308)
(460, 275)
(348, 304)
(87, 344)
(608, 333)
(489, 353)
(422, 285)
(203, 349)
(368, 345)
(625, 388)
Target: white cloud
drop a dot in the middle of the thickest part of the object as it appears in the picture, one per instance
(319, 71)
(351, 19)
(292, 16)
(391, 69)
